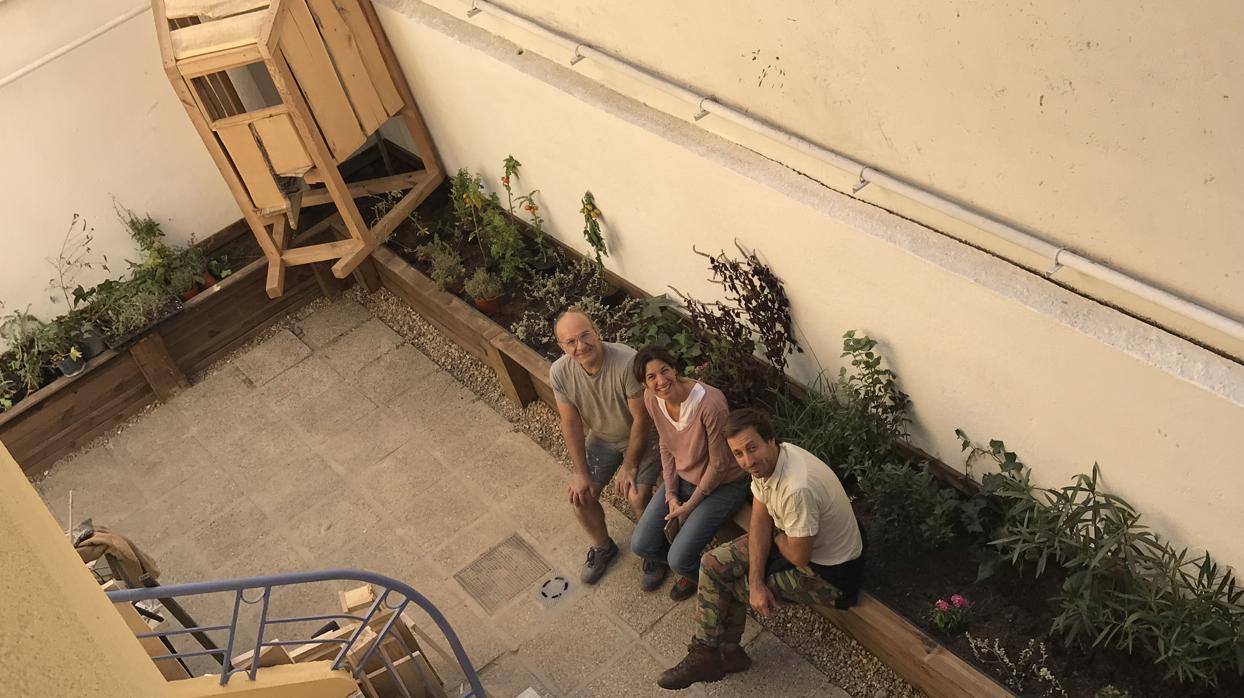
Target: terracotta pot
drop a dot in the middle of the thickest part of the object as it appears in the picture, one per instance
(488, 307)
(209, 280)
(188, 294)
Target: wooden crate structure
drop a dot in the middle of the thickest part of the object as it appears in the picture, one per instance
(282, 92)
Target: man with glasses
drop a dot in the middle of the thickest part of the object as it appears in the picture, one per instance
(606, 428)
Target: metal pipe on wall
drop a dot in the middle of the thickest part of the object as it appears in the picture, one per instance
(66, 48)
(1058, 256)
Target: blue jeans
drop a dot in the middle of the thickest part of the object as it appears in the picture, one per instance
(702, 523)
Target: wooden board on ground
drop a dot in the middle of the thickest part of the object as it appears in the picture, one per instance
(357, 600)
(170, 669)
(413, 672)
(268, 656)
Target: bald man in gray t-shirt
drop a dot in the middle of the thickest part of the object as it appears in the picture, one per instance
(606, 428)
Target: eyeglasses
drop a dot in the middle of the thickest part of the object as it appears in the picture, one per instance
(574, 341)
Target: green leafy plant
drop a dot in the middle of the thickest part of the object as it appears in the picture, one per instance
(447, 270)
(1122, 587)
(23, 333)
(220, 267)
(577, 284)
(483, 285)
(852, 422)
(1110, 691)
(58, 339)
(509, 167)
(467, 192)
(658, 322)
(950, 616)
(505, 244)
(8, 390)
(911, 507)
(591, 227)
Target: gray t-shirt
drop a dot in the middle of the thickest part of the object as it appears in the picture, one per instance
(601, 398)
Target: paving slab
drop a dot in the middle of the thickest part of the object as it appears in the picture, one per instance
(360, 346)
(330, 322)
(271, 357)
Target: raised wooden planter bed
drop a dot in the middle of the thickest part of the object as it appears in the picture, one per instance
(524, 377)
(70, 412)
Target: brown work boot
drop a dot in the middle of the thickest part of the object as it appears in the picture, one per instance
(702, 663)
(734, 659)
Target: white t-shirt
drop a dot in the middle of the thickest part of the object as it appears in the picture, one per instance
(805, 499)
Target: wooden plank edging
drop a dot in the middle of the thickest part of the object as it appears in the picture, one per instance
(910, 652)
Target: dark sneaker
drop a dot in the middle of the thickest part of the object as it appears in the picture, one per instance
(683, 589)
(734, 659)
(654, 574)
(702, 663)
(843, 602)
(597, 560)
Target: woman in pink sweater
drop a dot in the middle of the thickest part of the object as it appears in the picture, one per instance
(703, 486)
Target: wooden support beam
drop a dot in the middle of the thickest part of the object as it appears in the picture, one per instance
(514, 379)
(158, 366)
(380, 185)
(276, 267)
(322, 252)
(249, 117)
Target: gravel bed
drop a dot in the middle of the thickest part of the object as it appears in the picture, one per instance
(840, 657)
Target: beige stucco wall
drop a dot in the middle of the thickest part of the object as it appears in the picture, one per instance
(97, 123)
(59, 636)
(978, 343)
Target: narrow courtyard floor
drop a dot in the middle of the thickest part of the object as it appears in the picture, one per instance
(335, 442)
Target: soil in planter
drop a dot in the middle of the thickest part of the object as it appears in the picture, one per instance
(1012, 608)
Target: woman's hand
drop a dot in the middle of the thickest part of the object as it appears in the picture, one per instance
(679, 511)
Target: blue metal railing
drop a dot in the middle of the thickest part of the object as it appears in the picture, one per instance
(387, 587)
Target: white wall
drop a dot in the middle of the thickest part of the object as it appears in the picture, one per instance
(979, 343)
(99, 122)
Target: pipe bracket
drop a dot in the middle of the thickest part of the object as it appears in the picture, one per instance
(862, 183)
(577, 56)
(702, 111)
(473, 11)
(1056, 265)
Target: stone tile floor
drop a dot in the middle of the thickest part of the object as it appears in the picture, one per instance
(336, 444)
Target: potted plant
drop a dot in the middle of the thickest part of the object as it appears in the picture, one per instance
(58, 340)
(186, 271)
(23, 333)
(485, 289)
(447, 270)
(8, 392)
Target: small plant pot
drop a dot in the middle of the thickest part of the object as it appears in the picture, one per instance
(209, 280)
(488, 306)
(188, 294)
(91, 343)
(70, 366)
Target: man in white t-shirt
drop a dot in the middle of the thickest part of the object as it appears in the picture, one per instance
(804, 545)
(607, 431)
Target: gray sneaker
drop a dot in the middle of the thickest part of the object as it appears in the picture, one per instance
(597, 560)
(654, 574)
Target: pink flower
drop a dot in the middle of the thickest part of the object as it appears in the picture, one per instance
(505, 181)
(959, 601)
(941, 605)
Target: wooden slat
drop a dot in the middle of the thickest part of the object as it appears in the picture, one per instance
(308, 58)
(220, 35)
(275, 284)
(242, 148)
(158, 367)
(370, 51)
(410, 110)
(344, 51)
(210, 8)
(321, 252)
(250, 117)
(380, 185)
(284, 148)
(218, 60)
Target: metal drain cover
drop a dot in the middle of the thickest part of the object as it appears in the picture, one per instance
(502, 573)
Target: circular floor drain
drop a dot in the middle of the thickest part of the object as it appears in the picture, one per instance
(555, 587)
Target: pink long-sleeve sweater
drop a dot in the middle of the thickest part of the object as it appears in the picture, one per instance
(698, 454)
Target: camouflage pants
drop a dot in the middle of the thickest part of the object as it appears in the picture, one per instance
(723, 594)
